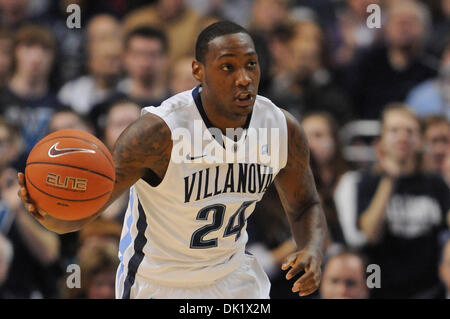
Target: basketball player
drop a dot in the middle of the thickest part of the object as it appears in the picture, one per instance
(184, 233)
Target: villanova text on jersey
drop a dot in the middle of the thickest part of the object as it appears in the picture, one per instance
(239, 178)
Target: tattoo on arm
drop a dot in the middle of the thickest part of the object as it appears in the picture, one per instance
(144, 144)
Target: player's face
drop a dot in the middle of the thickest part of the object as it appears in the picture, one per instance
(231, 74)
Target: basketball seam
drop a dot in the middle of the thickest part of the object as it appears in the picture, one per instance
(72, 166)
(69, 200)
(82, 139)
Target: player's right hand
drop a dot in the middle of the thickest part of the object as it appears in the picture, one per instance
(30, 206)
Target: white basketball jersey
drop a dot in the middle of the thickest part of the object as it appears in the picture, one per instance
(190, 230)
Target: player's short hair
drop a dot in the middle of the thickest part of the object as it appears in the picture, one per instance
(213, 31)
(148, 33)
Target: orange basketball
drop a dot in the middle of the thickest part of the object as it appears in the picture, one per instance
(70, 174)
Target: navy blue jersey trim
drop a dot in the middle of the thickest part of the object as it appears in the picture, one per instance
(136, 259)
(201, 110)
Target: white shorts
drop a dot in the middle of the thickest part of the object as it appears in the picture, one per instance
(249, 281)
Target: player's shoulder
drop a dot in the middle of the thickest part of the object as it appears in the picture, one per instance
(149, 124)
(292, 124)
(173, 104)
(265, 102)
(177, 111)
(266, 105)
(157, 120)
(267, 108)
(148, 135)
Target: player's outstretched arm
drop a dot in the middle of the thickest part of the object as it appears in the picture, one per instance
(145, 144)
(298, 194)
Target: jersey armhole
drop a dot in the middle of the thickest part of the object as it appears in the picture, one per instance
(150, 177)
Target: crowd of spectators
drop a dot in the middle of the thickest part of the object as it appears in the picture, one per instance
(374, 103)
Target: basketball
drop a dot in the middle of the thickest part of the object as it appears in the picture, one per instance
(70, 174)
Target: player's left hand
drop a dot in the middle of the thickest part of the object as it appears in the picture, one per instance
(309, 260)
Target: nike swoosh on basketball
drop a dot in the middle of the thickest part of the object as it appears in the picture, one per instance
(54, 151)
(191, 158)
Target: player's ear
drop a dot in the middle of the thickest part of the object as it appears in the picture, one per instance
(198, 70)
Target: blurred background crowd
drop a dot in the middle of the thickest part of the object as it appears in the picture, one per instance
(374, 104)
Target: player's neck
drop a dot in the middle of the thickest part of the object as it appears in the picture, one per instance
(220, 120)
